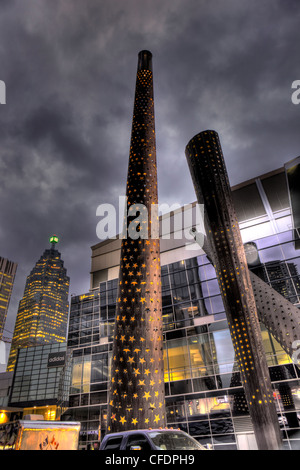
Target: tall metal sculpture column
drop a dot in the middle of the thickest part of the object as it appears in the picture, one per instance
(136, 396)
(208, 171)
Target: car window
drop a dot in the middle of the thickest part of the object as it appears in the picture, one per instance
(138, 440)
(173, 440)
(113, 443)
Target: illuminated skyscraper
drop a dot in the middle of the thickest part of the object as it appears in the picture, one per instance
(43, 311)
(137, 375)
(7, 276)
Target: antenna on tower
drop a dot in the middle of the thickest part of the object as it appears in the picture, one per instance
(53, 240)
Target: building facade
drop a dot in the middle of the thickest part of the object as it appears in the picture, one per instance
(7, 276)
(41, 381)
(43, 311)
(203, 388)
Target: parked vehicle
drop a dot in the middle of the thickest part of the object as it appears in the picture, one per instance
(150, 439)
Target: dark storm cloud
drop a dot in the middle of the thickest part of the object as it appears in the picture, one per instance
(233, 74)
(69, 67)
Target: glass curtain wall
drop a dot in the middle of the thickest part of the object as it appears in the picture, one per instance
(204, 394)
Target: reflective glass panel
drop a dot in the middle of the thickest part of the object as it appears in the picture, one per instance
(178, 359)
(201, 355)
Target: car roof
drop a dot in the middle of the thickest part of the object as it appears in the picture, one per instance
(131, 431)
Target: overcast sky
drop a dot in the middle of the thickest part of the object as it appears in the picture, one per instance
(69, 67)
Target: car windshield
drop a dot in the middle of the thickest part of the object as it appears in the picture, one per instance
(173, 440)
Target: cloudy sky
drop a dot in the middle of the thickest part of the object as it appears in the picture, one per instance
(69, 67)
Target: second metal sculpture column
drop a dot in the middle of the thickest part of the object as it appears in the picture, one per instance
(208, 170)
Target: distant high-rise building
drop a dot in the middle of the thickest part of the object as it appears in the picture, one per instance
(43, 311)
(7, 276)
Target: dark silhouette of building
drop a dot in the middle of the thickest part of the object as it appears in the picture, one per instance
(292, 171)
(208, 171)
(7, 276)
(43, 311)
(136, 396)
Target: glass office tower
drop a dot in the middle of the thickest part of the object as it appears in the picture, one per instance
(43, 311)
(203, 389)
(41, 376)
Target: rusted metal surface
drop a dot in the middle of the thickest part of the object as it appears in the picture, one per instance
(208, 171)
(136, 397)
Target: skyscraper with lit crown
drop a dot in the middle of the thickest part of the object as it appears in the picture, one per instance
(43, 311)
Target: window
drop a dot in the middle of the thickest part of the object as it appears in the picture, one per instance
(201, 355)
(138, 440)
(99, 372)
(223, 352)
(113, 443)
(81, 375)
(175, 410)
(173, 440)
(178, 358)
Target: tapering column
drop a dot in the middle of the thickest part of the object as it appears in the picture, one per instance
(136, 396)
(208, 170)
